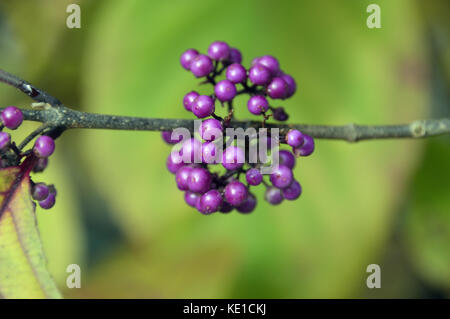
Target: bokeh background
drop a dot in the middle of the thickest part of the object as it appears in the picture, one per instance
(119, 214)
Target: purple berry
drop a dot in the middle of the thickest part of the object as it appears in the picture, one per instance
(219, 51)
(191, 198)
(209, 153)
(203, 106)
(40, 165)
(233, 157)
(235, 56)
(257, 104)
(254, 176)
(293, 191)
(187, 57)
(307, 148)
(225, 90)
(248, 205)
(182, 177)
(272, 142)
(287, 159)
(226, 207)
(197, 205)
(173, 165)
(44, 146)
(5, 140)
(294, 138)
(167, 137)
(236, 73)
(277, 88)
(49, 202)
(191, 151)
(39, 191)
(280, 114)
(259, 75)
(255, 61)
(188, 100)
(292, 86)
(273, 196)
(270, 63)
(281, 177)
(200, 180)
(236, 193)
(210, 129)
(12, 117)
(201, 65)
(211, 201)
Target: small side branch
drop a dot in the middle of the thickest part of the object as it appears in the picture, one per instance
(36, 94)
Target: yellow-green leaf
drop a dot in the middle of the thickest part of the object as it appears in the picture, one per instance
(23, 271)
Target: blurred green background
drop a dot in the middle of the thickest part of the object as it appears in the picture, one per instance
(119, 214)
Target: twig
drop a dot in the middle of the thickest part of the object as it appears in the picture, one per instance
(59, 118)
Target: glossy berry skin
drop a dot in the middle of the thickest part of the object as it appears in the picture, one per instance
(211, 201)
(209, 153)
(5, 140)
(248, 205)
(270, 63)
(39, 191)
(210, 129)
(188, 100)
(182, 177)
(172, 165)
(219, 51)
(307, 148)
(187, 57)
(49, 202)
(201, 66)
(281, 177)
(235, 56)
(44, 146)
(200, 180)
(273, 196)
(191, 198)
(236, 193)
(253, 177)
(203, 106)
(255, 61)
(295, 138)
(191, 151)
(257, 104)
(293, 191)
(286, 158)
(236, 73)
(11, 117)
(233, 157)
(167, 137)
(280, 114)
(259, 75)
(277, 88)
(291, 84)
(225, 90)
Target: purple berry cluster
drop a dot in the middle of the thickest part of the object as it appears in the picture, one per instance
(35, 160)
(220, 184)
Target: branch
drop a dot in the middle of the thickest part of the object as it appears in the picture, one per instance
(36, 94)
(58, 118)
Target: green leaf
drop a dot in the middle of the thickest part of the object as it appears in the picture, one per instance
(23, 270)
